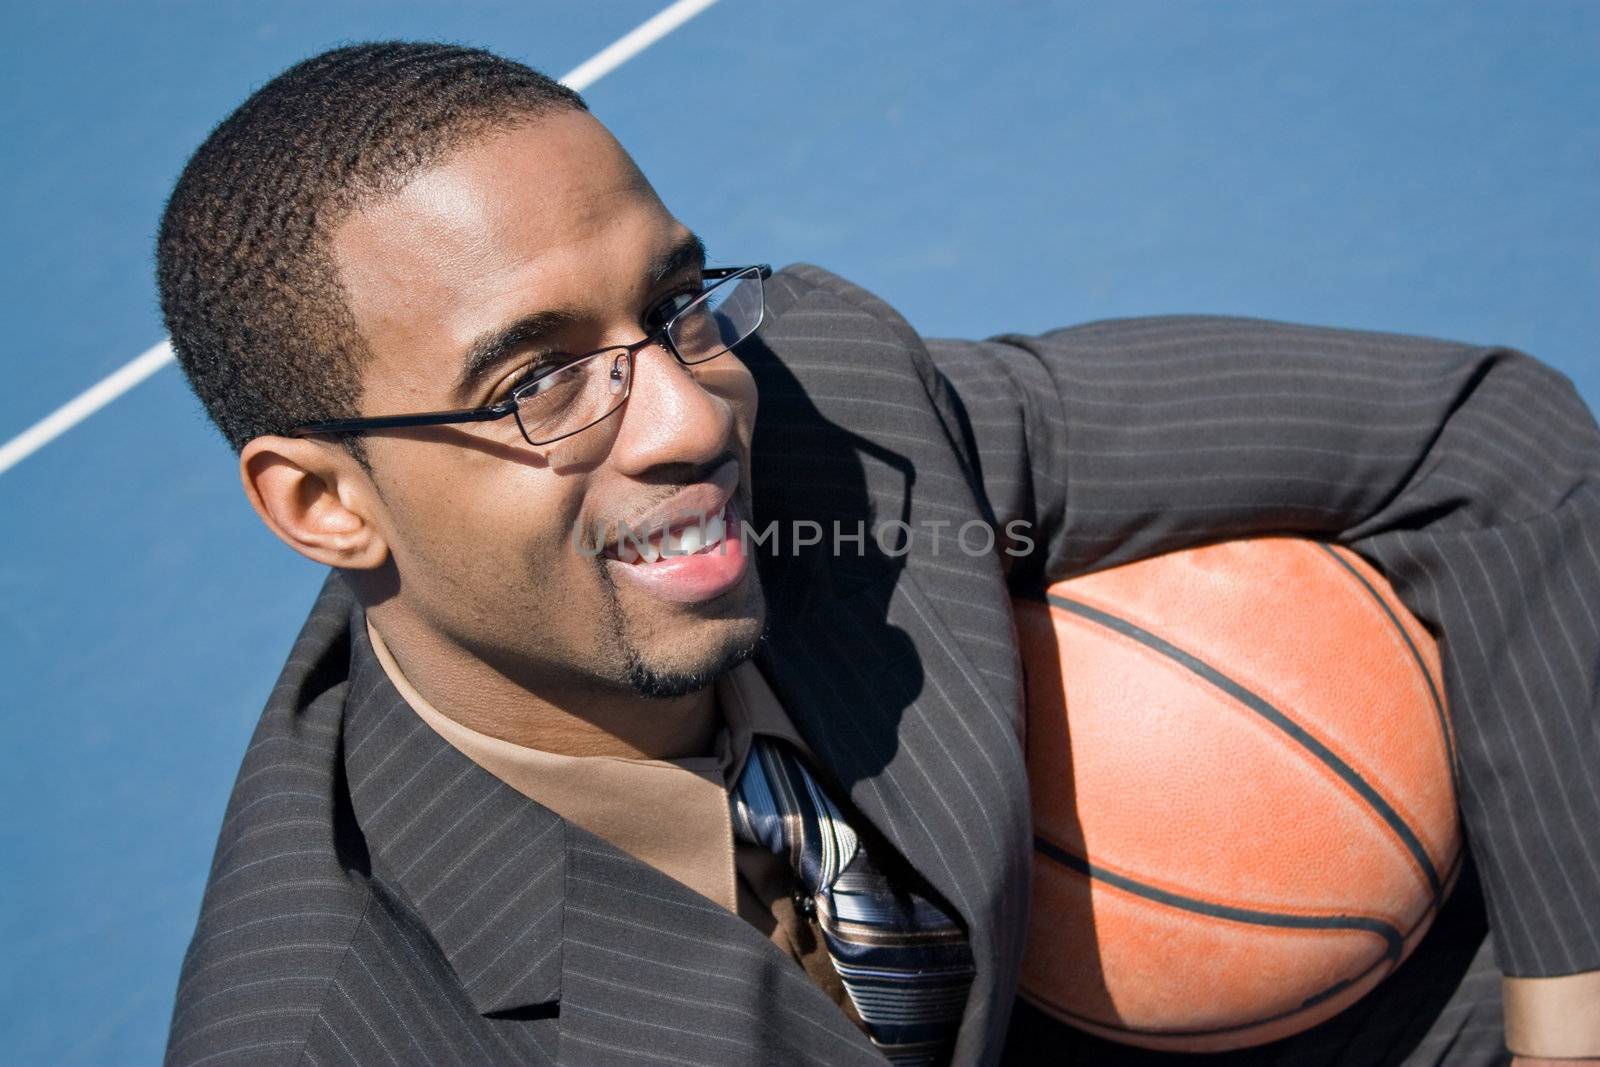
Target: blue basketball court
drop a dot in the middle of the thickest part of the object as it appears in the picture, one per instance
(1009, 166)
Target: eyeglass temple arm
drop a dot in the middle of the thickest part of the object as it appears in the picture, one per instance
(395, 422)
(715, 273)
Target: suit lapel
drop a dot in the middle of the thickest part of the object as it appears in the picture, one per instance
(913, 712)
(883, 697)
(484, 867)
(537, 916)
(650, 964)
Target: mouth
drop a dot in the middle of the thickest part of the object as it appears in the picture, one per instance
(688, 536)
(690, 521)
(688, 563)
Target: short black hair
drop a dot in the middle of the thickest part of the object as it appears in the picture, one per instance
(249, 292)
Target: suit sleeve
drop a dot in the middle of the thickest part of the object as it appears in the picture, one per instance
(1469, 475)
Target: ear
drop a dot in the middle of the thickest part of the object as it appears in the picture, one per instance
(316, 498)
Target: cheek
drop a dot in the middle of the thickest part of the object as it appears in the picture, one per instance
(485, 536)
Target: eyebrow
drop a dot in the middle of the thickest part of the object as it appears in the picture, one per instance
(495, 346)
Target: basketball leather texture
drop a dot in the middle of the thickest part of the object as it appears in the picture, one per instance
(1243, 785)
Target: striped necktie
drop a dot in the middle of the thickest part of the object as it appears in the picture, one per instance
(904, 962)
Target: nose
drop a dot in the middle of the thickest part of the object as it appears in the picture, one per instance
(670, 417)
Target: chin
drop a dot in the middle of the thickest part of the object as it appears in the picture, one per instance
(664, 672)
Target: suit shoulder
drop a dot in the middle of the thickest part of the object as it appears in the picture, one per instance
(834, 319)
(289, 881)
(797, 281)
(254, 984)
(279, 915)
(283, 903)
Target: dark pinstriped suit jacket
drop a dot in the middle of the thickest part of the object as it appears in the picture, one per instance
(376, 897)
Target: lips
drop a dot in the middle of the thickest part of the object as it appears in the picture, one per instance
(701, 577)
(681, 525)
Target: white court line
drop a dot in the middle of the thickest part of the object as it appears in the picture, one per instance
(648, 33)
(83, 405)
(147, 363)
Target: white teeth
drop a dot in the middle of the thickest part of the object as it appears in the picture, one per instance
(684, 542)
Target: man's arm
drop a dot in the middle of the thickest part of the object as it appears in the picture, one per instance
(1469, 475)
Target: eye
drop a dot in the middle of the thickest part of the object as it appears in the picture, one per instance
(661, 313)
(542, 364)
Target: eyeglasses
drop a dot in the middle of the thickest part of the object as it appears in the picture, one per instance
(557, 402)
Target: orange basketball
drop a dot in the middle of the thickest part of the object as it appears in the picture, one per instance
(1242, 778)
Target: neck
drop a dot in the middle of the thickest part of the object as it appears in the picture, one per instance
(591, 720)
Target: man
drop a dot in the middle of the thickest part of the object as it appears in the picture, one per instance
(532, 789)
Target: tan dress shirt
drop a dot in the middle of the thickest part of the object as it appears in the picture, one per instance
(684, 828)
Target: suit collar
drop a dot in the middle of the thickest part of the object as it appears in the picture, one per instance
(477, 860)
(530, 909)
(419, 800)
(685, 828)
(503, 885)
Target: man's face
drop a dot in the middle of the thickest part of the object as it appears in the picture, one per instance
(548, 217)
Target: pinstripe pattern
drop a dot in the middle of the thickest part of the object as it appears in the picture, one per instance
(378, 898)
(1469, 475)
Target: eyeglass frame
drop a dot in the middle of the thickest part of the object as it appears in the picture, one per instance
(508, 406)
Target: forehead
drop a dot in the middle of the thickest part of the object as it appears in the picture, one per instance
(551, 212)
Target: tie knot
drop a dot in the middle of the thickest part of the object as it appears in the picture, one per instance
(778, 804)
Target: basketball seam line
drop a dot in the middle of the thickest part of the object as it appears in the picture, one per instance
(1263, 708)
(1257, 916)
(1393, 940)
(1416, 654)
(1050, 849)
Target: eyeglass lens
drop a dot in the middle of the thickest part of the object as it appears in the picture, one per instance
(724, 316)
(580, 394)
